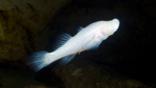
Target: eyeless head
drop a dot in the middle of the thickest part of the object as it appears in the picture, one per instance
(115, 23)
(110, 27)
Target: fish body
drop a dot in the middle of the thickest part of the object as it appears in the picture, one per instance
(87, 38)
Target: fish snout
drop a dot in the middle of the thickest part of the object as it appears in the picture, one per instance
(115, 23)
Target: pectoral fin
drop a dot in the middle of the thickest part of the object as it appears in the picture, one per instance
(93, 43)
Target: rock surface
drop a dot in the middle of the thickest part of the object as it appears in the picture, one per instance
(21, 22)
(74, 75)
(90, 76)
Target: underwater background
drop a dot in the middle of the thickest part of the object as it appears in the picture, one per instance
(125, 60)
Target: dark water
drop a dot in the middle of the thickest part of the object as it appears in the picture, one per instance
(128, 54)
(130, 51)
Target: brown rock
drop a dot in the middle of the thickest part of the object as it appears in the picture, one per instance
(89, 76)
(21, 22)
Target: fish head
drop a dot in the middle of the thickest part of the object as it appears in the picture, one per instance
(110, 27)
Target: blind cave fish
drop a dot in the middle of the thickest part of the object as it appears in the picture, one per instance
(87, 38)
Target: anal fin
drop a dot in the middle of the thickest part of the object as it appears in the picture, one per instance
(67, 59)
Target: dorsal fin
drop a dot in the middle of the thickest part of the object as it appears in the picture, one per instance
(80, 28)
(63, 39)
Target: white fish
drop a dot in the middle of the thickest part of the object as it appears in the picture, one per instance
(87, 38)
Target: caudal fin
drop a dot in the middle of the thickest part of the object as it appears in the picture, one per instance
(40, 60)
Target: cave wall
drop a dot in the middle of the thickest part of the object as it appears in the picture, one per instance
(21, 22)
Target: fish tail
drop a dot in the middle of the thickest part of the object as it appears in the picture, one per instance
(42, 59)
